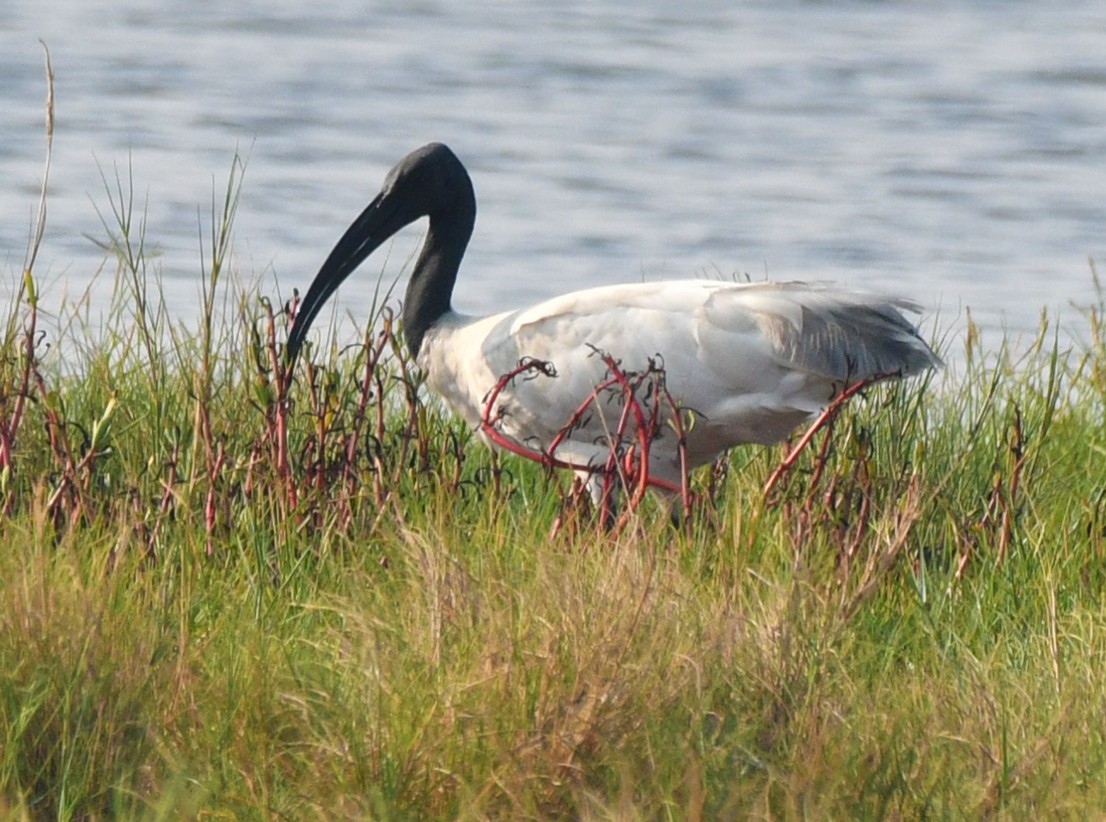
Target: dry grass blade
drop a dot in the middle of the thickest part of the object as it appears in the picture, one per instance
(40, 222)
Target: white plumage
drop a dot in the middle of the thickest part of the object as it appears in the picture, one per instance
(749, 362)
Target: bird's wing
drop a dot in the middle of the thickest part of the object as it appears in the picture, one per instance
(827, 332)
(737, 330)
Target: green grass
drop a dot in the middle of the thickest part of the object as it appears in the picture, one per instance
(225, 596)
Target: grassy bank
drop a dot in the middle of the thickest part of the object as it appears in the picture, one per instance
(226, 595)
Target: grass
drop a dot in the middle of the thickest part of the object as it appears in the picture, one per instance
(224, 595)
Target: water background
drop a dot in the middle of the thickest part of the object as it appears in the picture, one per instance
(954, 152)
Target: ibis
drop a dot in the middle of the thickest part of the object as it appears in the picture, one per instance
(741, 362)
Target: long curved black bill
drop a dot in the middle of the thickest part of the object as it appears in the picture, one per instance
(379, 221)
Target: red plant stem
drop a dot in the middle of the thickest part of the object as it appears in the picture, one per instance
(282, 378)
(577, 415)
(631, 406)
(678, 424)
(167, 485)
(372, 359)
(827, 414)
(209, 505)
(548, 458)
(624, 468)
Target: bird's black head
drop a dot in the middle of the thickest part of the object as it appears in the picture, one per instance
(429, 181)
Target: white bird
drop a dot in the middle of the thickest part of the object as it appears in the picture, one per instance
(749, 362)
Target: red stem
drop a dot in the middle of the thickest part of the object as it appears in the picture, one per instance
(827, 414)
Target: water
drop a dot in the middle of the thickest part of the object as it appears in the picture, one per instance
(953, 152)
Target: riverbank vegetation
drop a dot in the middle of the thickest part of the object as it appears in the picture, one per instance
(226, 594)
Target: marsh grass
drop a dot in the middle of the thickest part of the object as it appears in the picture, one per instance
(226, 593)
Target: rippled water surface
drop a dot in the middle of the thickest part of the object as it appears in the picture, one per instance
(955, 152)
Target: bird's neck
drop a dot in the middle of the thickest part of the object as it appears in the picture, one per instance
(430, 290)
